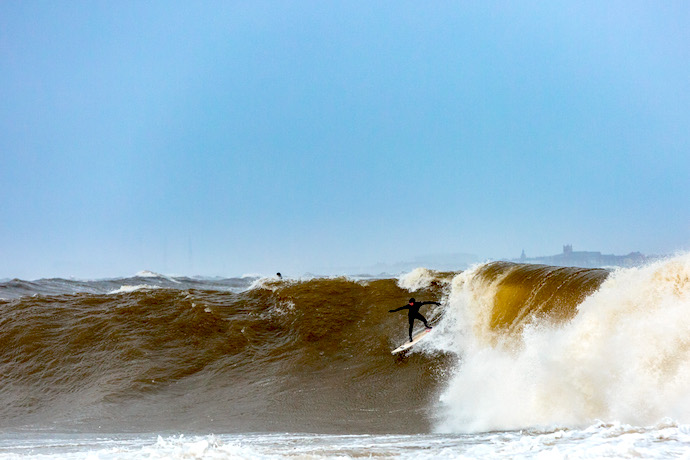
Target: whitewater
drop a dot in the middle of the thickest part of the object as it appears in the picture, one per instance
(526, 361)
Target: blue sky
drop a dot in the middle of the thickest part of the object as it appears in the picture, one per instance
(222, 138)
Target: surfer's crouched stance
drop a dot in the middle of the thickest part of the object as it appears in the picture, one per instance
(413, 306)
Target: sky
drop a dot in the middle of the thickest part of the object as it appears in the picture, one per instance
(226, 138)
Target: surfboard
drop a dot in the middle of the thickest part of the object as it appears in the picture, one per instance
(409, 345)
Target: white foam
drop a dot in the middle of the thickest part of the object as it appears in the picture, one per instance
(129, 288)
(624, 357)
(270, 284)
(665, 440)
(273, 283)
(150, 274)
(419, 278)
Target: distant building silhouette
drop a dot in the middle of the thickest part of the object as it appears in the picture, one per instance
(587, 259)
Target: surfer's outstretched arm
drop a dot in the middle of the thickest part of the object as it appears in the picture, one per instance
(406, 307)
(431, 303)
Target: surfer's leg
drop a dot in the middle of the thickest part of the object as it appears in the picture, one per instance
(411, 324)
(420, 317)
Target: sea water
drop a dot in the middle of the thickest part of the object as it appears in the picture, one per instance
(524, 361)
(616, 441)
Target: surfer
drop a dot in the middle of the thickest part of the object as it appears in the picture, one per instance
(413, 306)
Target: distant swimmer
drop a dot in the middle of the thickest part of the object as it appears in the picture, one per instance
(413, 306)
(280, 277)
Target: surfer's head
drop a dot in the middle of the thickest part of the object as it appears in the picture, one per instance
(412, 300)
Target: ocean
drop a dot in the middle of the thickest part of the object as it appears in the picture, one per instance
(527, 361)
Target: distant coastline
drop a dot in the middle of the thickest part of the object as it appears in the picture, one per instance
(463, 261)
(588, 259)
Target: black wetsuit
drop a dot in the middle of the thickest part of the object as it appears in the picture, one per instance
(413, 313)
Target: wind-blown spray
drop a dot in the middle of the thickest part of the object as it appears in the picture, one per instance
(572, 347)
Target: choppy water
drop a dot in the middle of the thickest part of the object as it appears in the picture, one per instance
(665, 440)
(524, 360)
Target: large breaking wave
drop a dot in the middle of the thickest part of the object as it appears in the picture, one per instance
(544, 346)
(514, 346)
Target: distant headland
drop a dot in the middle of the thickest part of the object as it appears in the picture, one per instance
(588, 259)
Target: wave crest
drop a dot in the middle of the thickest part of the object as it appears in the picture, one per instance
(622, 353)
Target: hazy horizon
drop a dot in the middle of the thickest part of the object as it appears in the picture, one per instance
(223, 138)
(438, 261)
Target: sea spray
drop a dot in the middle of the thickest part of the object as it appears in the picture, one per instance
(623, 355)
(419, 278)
(513, 346)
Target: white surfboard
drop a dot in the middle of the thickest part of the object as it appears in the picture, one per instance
(408, 345)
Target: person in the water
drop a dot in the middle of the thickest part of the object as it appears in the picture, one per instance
(413, 306)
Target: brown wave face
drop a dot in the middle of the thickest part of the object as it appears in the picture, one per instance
(525, 294)
(310, 356)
